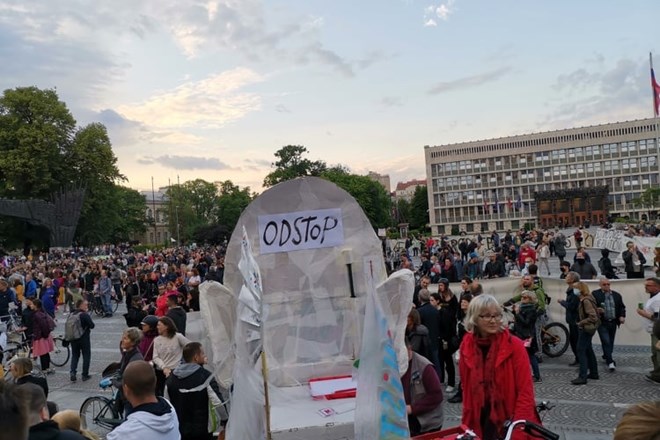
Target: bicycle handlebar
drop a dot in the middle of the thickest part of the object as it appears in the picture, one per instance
(530, 427)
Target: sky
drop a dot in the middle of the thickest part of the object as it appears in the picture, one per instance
(212, 89)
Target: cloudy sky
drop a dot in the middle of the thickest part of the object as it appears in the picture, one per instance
(213, 88)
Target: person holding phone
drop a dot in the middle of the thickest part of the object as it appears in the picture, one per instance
(649, 312)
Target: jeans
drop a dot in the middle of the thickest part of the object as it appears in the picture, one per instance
(606, 333)
(586, 356)
(573, 337)
(434, 357)
(107, 303)
(534, 362)
(81, 346)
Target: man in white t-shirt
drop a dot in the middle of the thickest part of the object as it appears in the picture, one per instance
(650, 313)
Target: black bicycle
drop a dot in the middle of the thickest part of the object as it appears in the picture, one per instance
(96, 304)
(99, 414)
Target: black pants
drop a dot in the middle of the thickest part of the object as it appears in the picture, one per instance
(81, 346)
(44, 360)
(160, 382)
(573, 337)
(447, 363)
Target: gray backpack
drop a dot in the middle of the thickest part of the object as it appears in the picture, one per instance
(73, 329)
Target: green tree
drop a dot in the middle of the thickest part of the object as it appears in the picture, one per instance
(130, 206)
(402, 211)
(42, 151)
(231, 203)
(419, 209)
(649, 200)
(370, 195)
(291, 164)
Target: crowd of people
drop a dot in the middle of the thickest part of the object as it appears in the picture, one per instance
(163, 388)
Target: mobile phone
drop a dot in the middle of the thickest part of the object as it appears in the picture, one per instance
(640, 306)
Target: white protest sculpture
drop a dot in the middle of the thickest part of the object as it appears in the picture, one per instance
(312, 245)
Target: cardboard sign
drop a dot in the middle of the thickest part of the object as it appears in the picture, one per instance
(295, 231)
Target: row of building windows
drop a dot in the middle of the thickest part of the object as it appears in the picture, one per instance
(515, 195)
(545, 173)
(626, 149)
(548, 140)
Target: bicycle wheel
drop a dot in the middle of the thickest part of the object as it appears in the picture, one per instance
(97, 306)
(115, 304)
(60, 356)
(98, 415)
(555, 339)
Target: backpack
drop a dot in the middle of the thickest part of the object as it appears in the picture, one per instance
(73, 329)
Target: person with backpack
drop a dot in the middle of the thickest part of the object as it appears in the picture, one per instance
(77, 333)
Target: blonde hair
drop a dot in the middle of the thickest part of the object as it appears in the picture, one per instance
(531, 294)
(477, 306)
(583, 288)
(70, 419)
(640, 422)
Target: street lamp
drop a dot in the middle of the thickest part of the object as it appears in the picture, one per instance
(178, 238)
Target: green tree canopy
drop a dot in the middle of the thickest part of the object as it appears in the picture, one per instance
(42, 151)
(290, 164)
(370, 195)
(232, 201)
(419, 209)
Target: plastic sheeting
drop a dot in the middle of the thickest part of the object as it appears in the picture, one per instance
(312, 242)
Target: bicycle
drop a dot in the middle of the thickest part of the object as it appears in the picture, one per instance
(465, 433)
(99, 414)
(61, 353)
(96, 304)
(554, 335)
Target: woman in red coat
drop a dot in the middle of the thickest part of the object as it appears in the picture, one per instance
(495, 373)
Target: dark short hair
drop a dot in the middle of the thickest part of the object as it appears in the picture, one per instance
(37, 303)
(140, 378)
(171, 326)
(14, 420)
(80, 303)
(533, 269)
(35, 398)
(190, 350)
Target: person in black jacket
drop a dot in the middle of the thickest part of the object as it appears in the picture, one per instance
(83, 345)
(605, 265)
(571, 304)
(41, 427)
(429, 318)
(176, 313)
(612, 313)
(21, 370)
(192, 408)
(634, 261)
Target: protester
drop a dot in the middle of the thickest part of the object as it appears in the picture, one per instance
(639, 422)
(418, 334)
(152, 417)
(587, 325)
(526, 312)
(129, 353)
(13, 412)
(41, 427)
(21, 370)
(571, 304)
(176, 313)
(42, 339)
(422, 391)
(168, 350)
(649, 312)
(149, 333)
(81, 321)
(612, 313)
(495, 373)
(460, 332)
(633, 260)
(192, 408)
(70, 419)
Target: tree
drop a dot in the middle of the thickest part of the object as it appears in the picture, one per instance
(370, 195)
(231, 203)
(419, 209)
(291, 164)
(402, 211)
(42, 151)
(649, 200)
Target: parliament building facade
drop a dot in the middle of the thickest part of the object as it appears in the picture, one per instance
(561, 178)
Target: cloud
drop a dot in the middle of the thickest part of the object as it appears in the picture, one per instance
(391, 101)
(593, 95)
(185, 162)
(209, 103)
(441, 11)
(469, 81)
(256, 164)
(281, 108)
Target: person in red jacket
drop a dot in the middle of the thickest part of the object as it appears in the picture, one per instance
(526, 252)
(495, 373)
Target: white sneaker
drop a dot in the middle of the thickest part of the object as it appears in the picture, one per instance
(611, 366)
(449, 389)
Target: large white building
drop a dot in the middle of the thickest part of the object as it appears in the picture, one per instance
(562, 177)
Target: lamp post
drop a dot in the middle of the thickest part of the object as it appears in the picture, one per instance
(178, 237)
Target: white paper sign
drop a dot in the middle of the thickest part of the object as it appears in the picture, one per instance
(295, 231)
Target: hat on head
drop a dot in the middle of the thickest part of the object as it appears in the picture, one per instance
(150, 320)
(474, 255)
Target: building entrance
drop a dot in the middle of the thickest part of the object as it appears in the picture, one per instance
(572, 207)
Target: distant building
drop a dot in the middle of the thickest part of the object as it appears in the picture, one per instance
(383, 179)
(156, 213)
(406, 190)
(558, 178)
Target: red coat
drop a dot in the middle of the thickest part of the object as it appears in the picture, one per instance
(513, 379)
(529, 252)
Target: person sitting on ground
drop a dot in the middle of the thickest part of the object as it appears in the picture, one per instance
(70, 419)
(152, 417)
(422, 391)
(41, 427)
